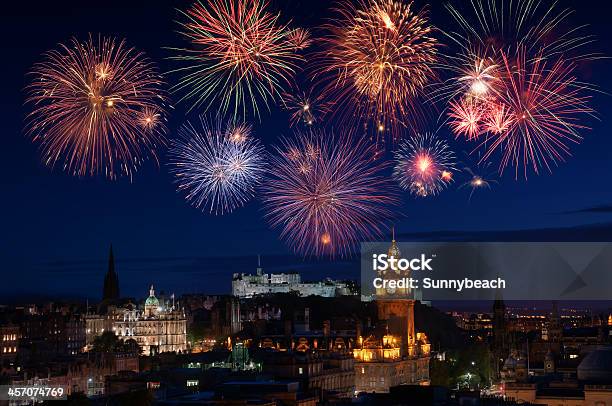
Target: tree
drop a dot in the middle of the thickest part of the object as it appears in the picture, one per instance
(105, 342)
(439, 372)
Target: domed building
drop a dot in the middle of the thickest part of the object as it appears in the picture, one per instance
(159, 327)
(596, 367)
(151, 304)
(593, 386)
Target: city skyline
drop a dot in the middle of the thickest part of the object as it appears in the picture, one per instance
(306, 202)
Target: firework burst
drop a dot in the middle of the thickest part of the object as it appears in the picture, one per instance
(538, 27)
(97, 105)
(483, 37)
(477, 181)
(465, 118)
(545, 104)
(424, 165)
(217, 167)
(239, 56)
(305, 107)
(377, 60)
(326, 193)
(498, 119)
(300, 38)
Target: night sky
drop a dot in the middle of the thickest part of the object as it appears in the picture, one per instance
(56, 229)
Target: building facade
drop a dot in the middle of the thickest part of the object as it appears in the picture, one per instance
(249, 285)
(157, 326)
(9, 345)
(397, 356)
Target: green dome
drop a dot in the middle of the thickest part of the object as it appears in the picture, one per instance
(152, 301)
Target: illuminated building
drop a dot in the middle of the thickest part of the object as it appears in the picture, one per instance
(322, 369)
(159, 327)
(9, 344)
(395, 354)
(249, 285)
(592, 385)
(320, 360)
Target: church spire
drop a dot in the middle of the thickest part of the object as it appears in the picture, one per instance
(111, 279)
(259, 268)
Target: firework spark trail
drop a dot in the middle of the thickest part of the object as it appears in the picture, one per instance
(377, 60)
(326, 193)
(465, 118)
(546, 103)
(489, 28)
(425, 165)
(305, 107)
(239, 56)
(498, 119)
(477, 181)
(300, 38)
(538, 27)
(99, 106)
(512, 82)
(217, 167)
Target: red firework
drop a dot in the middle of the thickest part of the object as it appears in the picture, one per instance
(97, 105)
(543, 104)
(300, 38)
(498, 119)
(465, 118)
(326, 193)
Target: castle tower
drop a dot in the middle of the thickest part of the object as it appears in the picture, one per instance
(111, 280)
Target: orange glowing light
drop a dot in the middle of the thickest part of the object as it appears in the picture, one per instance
(424, 163)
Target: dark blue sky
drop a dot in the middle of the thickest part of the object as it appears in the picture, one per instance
(55, 229)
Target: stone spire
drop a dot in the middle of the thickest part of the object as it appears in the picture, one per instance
(111, 280)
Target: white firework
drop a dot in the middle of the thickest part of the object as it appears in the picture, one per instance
(217, 170)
